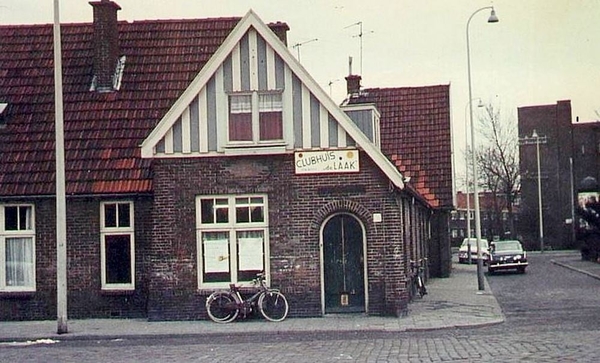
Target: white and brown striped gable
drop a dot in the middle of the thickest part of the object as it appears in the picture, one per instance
(254, 97)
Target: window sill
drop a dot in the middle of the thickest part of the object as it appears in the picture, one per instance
(115, 292)
(16, 294)
(245, 149)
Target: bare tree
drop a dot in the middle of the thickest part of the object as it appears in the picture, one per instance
(498, 162)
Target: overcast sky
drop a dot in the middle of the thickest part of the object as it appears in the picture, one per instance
(540, 52)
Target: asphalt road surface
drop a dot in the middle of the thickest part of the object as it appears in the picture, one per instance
(552, 315)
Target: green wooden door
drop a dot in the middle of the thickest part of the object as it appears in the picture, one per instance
(343, 265)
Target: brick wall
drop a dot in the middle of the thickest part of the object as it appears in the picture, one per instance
(85, 298)
(298, 205)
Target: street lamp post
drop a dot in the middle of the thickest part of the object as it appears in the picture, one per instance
(539, 180)
(492, 19)
(480, 104)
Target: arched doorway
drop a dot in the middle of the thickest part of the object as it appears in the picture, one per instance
(343, 266)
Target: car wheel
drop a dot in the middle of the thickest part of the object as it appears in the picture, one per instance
(461, 260)
(490, 271)
(521, 270)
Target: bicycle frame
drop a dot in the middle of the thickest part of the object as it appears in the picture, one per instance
(246, 306)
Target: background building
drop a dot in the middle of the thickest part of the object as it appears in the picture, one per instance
(494, 217)
(568, 152)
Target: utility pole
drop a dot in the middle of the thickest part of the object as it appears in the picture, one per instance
(536, 139)
(61, 205)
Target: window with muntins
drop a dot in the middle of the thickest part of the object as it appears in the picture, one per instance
(17, 248)
(232, 233)
(117, 247)
(255, 118)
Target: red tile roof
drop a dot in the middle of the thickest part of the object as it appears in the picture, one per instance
(103, 131)
(486, 201)
(416, 136)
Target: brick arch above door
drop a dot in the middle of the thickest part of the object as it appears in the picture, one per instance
(339, 206)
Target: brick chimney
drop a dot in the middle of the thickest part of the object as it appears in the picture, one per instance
(106, 43)
(353, 84)
(280, 29)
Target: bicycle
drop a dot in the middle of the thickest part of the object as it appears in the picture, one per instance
(224, 306)
(418, 285)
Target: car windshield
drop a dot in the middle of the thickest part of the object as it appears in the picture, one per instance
(508, 246)
(473, 241)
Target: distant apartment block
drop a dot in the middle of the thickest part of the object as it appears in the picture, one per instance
(568, 152)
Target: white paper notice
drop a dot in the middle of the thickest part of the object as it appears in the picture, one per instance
(216, 255)
(250, 251)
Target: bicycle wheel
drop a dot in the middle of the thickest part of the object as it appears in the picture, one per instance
(273, 305)
(221, 307)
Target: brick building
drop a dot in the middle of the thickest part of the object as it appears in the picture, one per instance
(495, 217)
(198, 153)
(569, 152)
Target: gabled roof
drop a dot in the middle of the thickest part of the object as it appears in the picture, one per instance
(416, 136)
(251, 20)
(103, 131)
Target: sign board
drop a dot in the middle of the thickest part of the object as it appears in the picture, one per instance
(331, 161)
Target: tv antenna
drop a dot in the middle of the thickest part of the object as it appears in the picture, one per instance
(298, 45)
(360, 37)
(331, 83)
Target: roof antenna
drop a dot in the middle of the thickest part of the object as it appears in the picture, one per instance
(330, 84)
(298, 45)
(350, 65)
(360, 36)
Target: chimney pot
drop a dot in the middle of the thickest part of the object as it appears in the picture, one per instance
(353, 84)
(280, 29)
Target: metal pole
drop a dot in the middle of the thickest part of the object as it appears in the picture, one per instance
(480, 282)
(573, 238)
(537, 144)
(468, 196)
(61, 205)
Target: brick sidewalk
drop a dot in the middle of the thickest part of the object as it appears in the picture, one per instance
(451, 302)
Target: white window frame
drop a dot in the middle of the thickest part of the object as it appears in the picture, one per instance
(118, 230)
(233, 228)
(4, 235)
(255, 111)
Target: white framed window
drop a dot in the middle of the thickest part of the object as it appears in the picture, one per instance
(117, 245)
(232, 238)
(17, 247)
(255, 118)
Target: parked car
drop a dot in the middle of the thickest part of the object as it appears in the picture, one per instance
(507, 255)
(463, 251)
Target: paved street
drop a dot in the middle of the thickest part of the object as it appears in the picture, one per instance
(551, 315)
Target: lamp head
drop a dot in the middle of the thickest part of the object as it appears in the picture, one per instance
(493, 18)
(534, 134)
